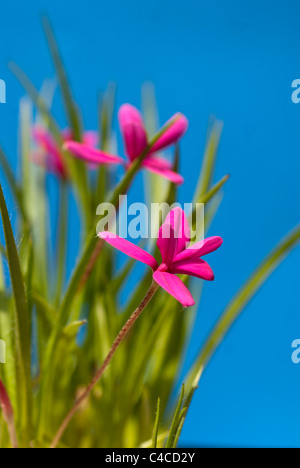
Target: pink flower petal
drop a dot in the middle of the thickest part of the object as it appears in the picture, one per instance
(178, 220)
(91, 155)
(45, 140)
(5, 402)
(53, 161)
(133, 131)
(201, 248)
(129, 249)
(167, 243)
(128, 113)
(172, 176)
(90, 138)
(160, 163)
(173, 134)
(197, 267)
(174, 286)
(67, 134)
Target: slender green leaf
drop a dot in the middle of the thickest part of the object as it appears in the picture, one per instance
(16, 191)
(160, 438)
(38, 101)
(209, 160)
(155, 187)
(61, 241)
(22, 319)
(70, 107)
(180, 426)
(106, 105)
(176, 420)
(237, 305)
(49, 312)
(106, 112)
(156, 425)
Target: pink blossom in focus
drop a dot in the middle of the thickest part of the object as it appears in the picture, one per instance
(177, 256)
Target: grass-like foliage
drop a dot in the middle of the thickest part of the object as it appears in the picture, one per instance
(58, 332)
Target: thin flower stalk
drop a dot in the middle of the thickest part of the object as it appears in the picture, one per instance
(120, 337)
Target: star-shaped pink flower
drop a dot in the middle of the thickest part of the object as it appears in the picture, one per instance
(177, 257)
(135, 142)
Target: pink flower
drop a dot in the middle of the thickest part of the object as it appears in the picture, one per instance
(5, 403)
(135, 142)
(177, 257)
(49, 154)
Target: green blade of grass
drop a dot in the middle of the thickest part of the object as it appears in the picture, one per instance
(22, 320)
(209, 195)
(7, 372)
(61, 242)
(106, 104)
(15, 189)
(156, 425)
(34, 200)
(48, 312)
(106, 108)
(237, 305)
(38, 101)
(160, 438)
(180, 426)
(176, 420)
(70, 107)
(209, 160)
(155, 187)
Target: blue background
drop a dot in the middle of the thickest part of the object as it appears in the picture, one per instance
(236, 60)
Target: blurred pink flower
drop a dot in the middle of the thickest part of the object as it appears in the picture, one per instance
(135, 142)
(48, 153)
(5, 403)
(177, 257)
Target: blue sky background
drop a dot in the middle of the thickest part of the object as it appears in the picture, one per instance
(236, 60)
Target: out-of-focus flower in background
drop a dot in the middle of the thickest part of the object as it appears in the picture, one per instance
(135, 142)
(48, 153)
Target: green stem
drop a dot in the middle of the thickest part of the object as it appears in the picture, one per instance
(62, 235)
(22, 326)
